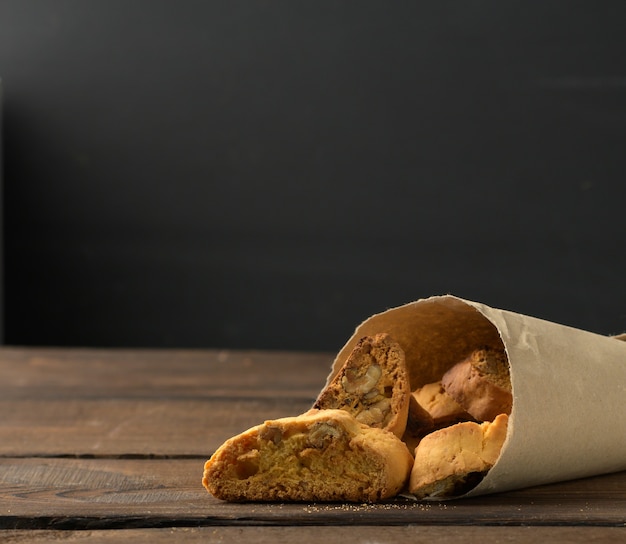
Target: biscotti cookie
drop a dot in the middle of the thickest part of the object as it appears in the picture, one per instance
(451, 461)
(418, 424)
(442, 407)
(481, 384)
(322, 455)
(372, 385)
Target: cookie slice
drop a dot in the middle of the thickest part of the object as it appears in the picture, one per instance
(318, 456)
(451, 461)
(372, 385)
(418, 424)
(443, 409)
(481, 384)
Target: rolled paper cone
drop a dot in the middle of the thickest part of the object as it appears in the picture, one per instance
(569, 386)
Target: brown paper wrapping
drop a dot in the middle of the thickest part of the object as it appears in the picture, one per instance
(569, 386)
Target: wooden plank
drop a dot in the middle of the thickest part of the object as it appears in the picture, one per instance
(81, 402)
(329, 535)
(47, 373)
(131, 430)
(132, 427)
(122, 493)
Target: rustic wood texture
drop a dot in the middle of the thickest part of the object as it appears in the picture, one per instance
(101, 493)
(329, 535)
(126, 427)
(92, 373)
(156, 403)
(116, 439)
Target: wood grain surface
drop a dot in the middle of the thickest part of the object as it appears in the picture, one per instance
(153, 403)
(107, 443)
(415, 534)
(104, 493)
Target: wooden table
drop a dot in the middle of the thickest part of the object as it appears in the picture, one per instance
(103, 445)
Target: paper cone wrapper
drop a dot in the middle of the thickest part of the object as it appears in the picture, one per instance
(569, 386)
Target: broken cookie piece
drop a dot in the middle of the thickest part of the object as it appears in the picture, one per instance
(451, 461)
(372, 385)
(443, 409)
(322, 455)
(481, 384)
(418, 424)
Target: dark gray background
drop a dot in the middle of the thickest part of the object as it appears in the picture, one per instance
(266, 174)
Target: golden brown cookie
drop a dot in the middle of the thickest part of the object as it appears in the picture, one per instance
(442, 407)
(372, 385)
(418, 424)
(451, 461)
(323, 455)
(481, 384)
